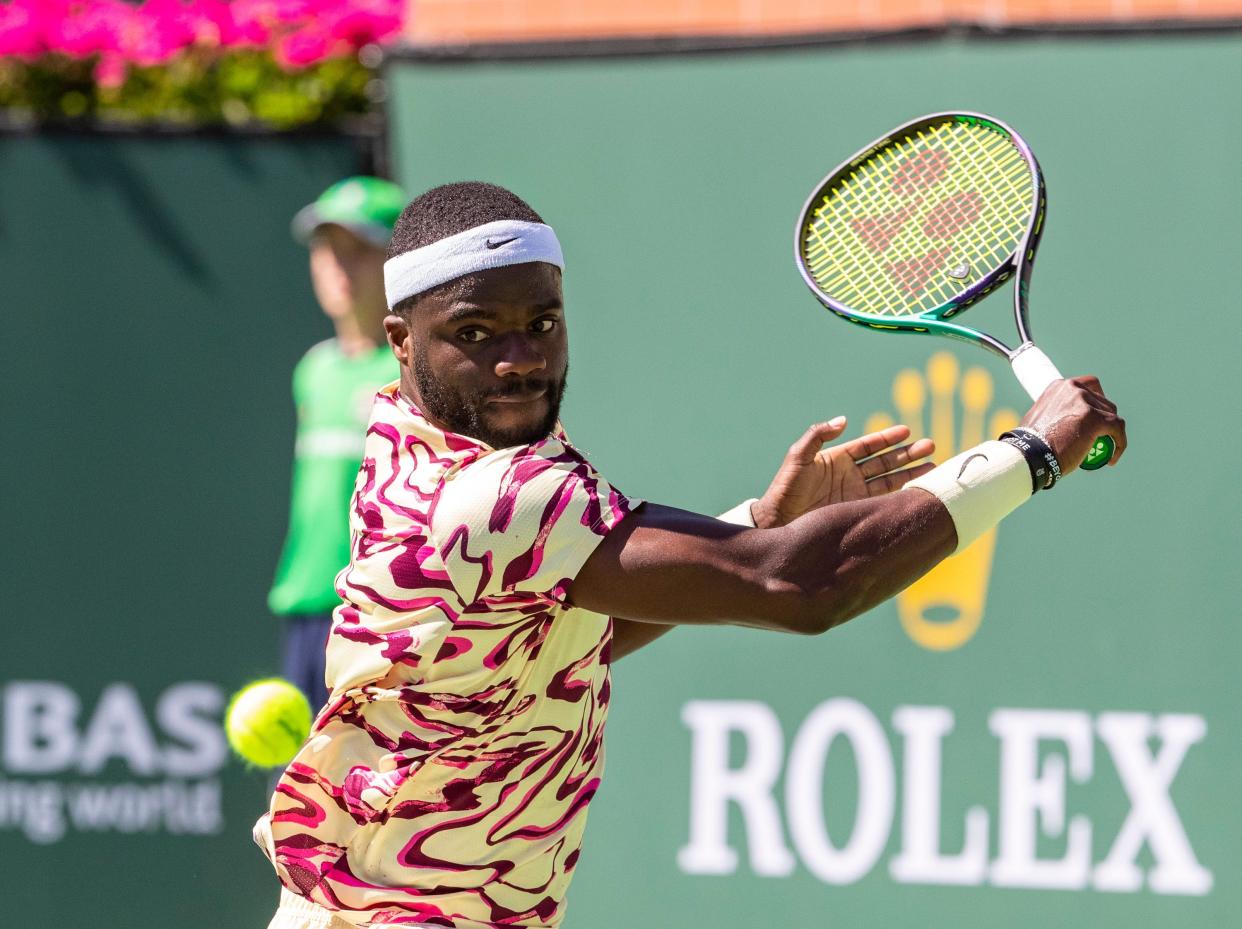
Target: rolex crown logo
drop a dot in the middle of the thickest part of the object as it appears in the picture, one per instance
(942, 610)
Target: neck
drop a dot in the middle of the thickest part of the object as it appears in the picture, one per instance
(355, 337)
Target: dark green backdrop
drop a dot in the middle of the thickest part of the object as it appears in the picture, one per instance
(698, 356)
(154, 305)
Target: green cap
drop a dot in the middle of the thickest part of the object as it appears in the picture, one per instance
(366, 206)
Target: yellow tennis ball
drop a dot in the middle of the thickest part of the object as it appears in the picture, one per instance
(267, 722)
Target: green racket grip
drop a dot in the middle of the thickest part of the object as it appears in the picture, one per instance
(1101, 454)
(1035, 371)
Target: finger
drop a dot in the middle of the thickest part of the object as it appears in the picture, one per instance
(875, 442)
(897, 458)
(1118, 431)
(1098, 399)
(1090, 382)
(1115, 427)
(1101, 402)
(895, 480)
(805, 449)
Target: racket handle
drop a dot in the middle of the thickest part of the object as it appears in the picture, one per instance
(1035, 371)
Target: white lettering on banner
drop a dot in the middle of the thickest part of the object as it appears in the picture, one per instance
(804, 791)
(716, 785)
(44, 734)
(190, 713)
(119, 729)
(923, 728)
(1031, 796)
(1152, 815)
(41, 730)
(1042, 753)
(45, 810)
(40, 727)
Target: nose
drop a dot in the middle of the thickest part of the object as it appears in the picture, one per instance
(519, 357)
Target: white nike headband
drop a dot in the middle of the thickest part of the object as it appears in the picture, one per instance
(492, 245)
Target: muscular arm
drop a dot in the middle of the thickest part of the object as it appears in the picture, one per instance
(667, 566)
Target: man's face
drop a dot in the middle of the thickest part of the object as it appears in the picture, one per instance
(487, 355)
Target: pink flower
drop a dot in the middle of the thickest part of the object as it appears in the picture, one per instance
(22, 28)
(298, 32)
(252, 23)
(87, 27)
(156, 32)
(359, 25)
(302, 48)
(211, 21)
(111, 70)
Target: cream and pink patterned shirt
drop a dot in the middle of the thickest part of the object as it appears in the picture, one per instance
(446, 782)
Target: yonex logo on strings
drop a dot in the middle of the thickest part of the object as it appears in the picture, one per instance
(909, 180)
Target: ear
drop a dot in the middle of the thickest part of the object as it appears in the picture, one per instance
(398, 331)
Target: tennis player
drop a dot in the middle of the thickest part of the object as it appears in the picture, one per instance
(447, 781)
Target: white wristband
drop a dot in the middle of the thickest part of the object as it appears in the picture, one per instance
(979, 487)
(740, 515)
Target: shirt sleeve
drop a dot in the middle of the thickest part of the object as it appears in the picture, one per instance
(523, 521)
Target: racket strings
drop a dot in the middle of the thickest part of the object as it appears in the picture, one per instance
(920, 221)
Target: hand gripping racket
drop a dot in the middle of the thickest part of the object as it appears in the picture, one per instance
(925, 222)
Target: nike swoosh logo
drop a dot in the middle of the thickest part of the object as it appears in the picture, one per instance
(496, 243)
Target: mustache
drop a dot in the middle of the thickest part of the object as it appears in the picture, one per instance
(521, 388)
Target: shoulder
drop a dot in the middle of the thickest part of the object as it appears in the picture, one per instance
(522, 519)
(318, 356)
(540, 465)
(523, 484)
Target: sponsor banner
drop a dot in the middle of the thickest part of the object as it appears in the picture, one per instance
(1043, 754)
(1037, 733)
(110, 764)
(145, 496)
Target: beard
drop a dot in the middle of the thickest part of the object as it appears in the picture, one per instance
(465, 412)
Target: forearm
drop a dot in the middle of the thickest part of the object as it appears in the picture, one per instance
(839, 562)
(664, 565)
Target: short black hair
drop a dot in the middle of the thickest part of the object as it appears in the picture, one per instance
(449, 209)
(453, 208)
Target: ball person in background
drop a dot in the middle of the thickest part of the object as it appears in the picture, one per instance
(347, 231)
(446, 782)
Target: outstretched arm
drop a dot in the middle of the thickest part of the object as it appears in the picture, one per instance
(808, 478)
(667, 566)
(664, 565)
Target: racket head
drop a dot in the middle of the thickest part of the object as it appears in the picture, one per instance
(923, 223)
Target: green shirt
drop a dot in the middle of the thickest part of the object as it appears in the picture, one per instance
(333, 394)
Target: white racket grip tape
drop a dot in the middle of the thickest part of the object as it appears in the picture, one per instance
(1034, 370)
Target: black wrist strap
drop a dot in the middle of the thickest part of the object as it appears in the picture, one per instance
(1045, 468)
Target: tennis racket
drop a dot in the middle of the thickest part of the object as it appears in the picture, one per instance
(925, 222)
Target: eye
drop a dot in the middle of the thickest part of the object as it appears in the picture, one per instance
(547, 324)
(473, 334)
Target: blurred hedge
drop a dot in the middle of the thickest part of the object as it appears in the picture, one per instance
(277, 64)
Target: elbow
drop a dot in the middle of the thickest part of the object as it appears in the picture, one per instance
(811, 603)
(805, 610)
(808, 591)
